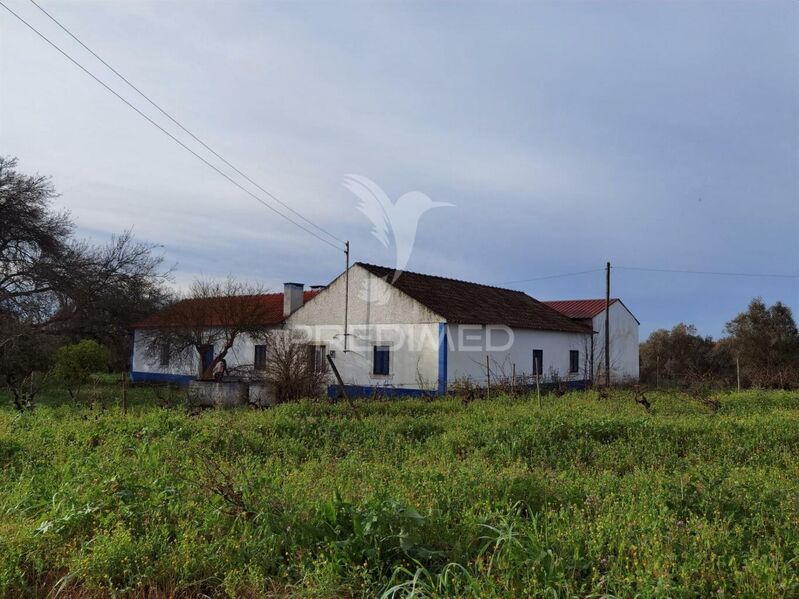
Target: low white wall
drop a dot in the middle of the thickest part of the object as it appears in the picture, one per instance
(220, 395)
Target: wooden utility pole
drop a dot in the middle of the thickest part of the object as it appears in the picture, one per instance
(607, 325)
(342, 386)
(346, 295)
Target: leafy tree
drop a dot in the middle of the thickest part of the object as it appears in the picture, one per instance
(54, 285)
(34, 245)
(75, 363)
(680, 354)
(766, 341)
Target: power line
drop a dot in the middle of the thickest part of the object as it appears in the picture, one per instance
(167, 133)
(710, 272)
(664, 270)
(179, 124)
(567, 274)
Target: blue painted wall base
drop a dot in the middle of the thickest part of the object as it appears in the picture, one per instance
(369, 391)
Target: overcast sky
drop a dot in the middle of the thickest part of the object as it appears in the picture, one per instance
(655, 135)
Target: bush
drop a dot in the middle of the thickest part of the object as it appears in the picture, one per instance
(75, 363)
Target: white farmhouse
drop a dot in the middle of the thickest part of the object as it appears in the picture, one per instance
(404, 333)
(624, 364)
(409, 333)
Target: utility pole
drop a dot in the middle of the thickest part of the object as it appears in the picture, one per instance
(607, 325)
(346, 295)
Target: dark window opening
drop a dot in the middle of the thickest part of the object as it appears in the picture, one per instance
(164, 357)
(260, 357)
(206, 357)
(318, 357)
(381, 359)
(538, 362)
(574, 361)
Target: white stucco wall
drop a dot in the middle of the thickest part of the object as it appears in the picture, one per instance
(466, 356)
(624, 365)
(241, 354)
(378, 314)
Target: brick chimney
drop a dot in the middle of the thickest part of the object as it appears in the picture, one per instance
(292, 297)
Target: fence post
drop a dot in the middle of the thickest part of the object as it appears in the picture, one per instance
(738, 372)
(488, 379)
(657, 372)
(513, 381)
(537, 382)
(125, 392)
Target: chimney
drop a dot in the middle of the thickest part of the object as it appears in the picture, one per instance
(292, 297)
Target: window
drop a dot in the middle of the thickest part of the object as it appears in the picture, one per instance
(260, 357)
(538, 361)
(574, 361)
(164, 356)
(318, 357)
(381, 359)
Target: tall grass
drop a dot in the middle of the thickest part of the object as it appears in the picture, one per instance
(501, 498)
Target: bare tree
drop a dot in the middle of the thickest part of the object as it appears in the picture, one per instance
(110, 287)
(293, 369)
(213, 314)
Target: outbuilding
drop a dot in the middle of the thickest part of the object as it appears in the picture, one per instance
(624, 363)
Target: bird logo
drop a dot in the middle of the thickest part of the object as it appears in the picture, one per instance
(392, 222)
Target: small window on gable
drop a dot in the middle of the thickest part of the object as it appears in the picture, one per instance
(574, 361)
(164, 355)
(381, 359)
(260, 357)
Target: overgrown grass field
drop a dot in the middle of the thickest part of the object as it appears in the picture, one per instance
(500, 498)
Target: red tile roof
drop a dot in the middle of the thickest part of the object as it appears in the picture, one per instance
(461, 302)
(272, 310)
(584, 308)
(581, 308)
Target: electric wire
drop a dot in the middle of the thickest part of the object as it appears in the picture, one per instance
(709, 272)
(567, 274)
(179, 124)
(167, 133)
